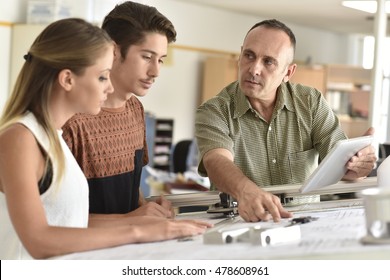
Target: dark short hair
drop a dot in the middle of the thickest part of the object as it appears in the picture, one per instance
(276, 24)
(129, 22)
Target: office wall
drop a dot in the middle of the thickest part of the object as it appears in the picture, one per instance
(10, 11)
(176, 92)
(13, 11)
(5, 35)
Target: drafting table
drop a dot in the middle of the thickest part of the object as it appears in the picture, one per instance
(335, 235)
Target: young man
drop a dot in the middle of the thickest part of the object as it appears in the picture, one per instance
(262, 130)
(111, 146)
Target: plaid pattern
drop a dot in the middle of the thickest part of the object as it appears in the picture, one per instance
(301, 132)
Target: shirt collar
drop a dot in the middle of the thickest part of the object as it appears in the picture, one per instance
(241, 102)
(284, 99)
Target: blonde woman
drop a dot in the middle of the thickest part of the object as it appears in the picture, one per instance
(43, 192)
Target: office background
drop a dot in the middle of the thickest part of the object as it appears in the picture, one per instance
(200, 28)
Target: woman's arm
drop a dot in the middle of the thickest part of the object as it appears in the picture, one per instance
(21, 167)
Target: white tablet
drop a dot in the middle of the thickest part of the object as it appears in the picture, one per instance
(332, 168)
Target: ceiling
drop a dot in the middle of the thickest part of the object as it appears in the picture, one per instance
(323, 14)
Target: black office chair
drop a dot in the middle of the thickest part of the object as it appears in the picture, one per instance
(179, 165)
(179, 156)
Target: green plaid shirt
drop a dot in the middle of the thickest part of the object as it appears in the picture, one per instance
(302, 130)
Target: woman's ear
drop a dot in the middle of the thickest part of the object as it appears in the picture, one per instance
(65, 79)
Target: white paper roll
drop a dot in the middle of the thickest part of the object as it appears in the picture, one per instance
(383, 174)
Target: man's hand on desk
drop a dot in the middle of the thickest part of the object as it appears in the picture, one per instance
(361, 164)
(159, 208)
(255, 204)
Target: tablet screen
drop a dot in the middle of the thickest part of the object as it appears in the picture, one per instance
(332, 168)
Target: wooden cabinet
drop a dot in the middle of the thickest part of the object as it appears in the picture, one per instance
(218, 72)
(348, 93)
(314, 76)
(346, 88)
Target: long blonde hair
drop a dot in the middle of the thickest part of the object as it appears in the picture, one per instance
(72, 44)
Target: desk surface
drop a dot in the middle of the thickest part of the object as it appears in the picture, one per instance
(335, 235)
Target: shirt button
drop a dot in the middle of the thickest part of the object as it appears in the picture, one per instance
(269, 128)
(274, 161)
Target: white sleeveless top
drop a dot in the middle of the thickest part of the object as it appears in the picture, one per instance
(65, 202)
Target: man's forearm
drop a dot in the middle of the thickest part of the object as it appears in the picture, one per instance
(226, 175)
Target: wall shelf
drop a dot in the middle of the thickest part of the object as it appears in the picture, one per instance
(162, 144)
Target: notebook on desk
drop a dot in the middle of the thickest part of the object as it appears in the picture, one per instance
(332, 168)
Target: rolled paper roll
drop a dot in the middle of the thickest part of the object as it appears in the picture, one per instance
(377, 212)
(383, 174)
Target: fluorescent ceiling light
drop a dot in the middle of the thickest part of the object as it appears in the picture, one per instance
(365, 6)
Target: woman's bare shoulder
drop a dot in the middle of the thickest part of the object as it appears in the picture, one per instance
(15, 135)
